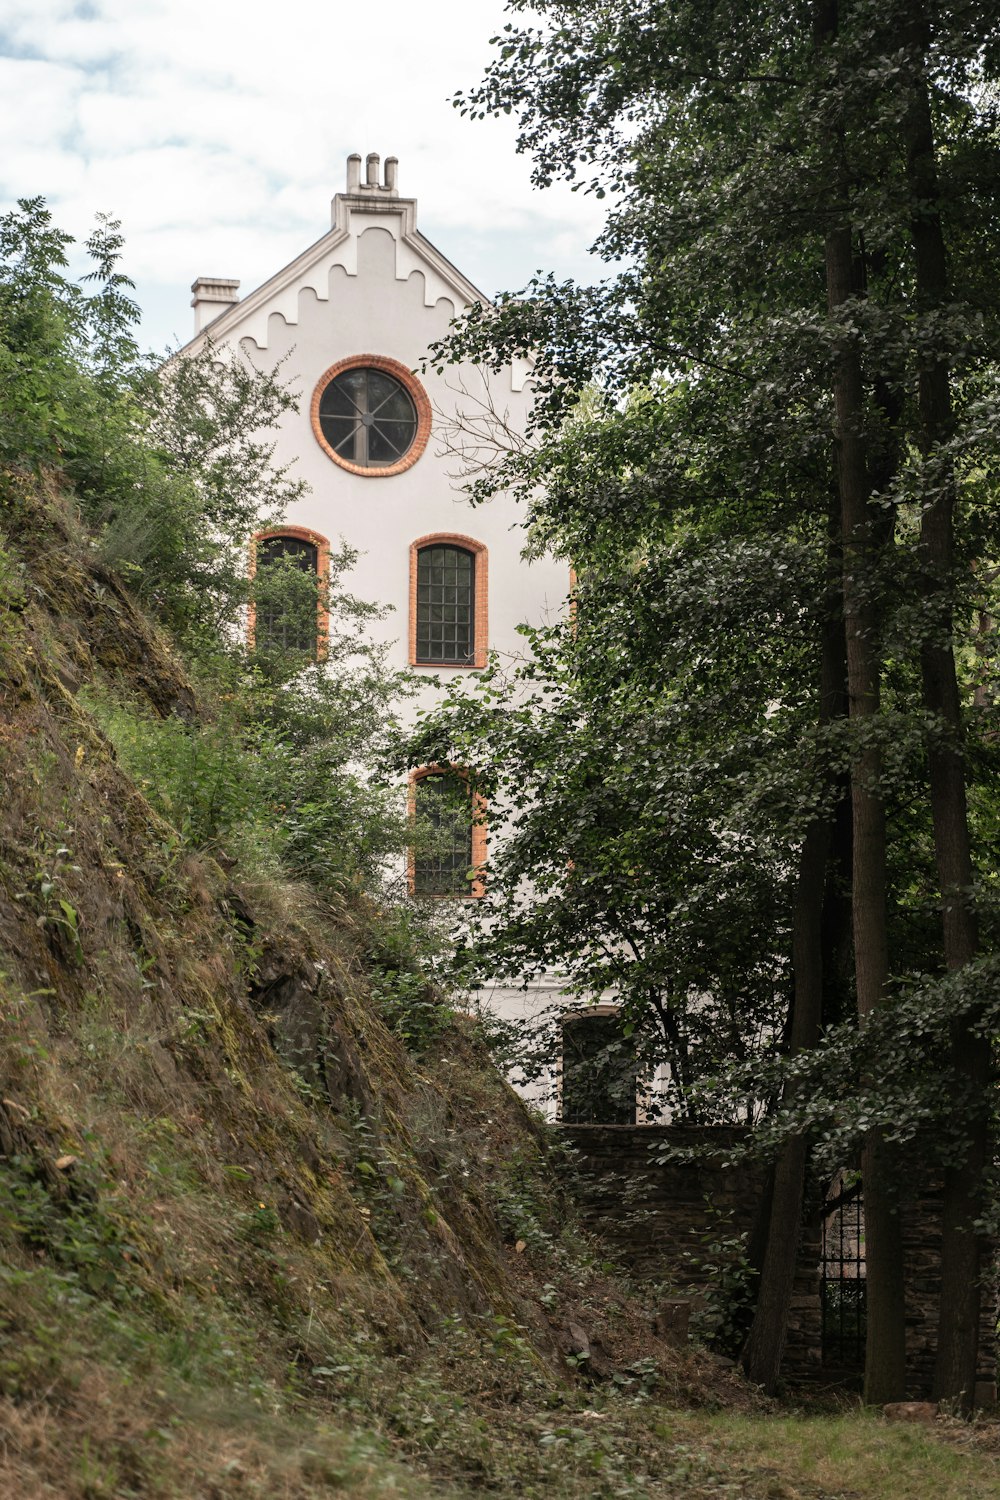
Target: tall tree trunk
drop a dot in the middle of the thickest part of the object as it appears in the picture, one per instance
(885, 1350)
(958, 1326)
(761, 1357)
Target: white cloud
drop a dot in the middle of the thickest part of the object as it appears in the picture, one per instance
(218, 131)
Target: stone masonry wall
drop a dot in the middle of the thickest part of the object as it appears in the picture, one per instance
(661, 1218)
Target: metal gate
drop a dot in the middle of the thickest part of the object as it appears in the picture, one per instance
(842, 1268)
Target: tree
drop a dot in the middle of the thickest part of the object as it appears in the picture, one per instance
(173, 473)
(785, 183)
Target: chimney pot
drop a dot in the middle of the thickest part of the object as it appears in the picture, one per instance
(372, 164)
(354, 172)
(392, 173)
(212, 295)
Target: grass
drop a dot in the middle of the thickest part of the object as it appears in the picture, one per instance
(855, 1455)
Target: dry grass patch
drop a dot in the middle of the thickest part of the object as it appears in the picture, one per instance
(852, 1456)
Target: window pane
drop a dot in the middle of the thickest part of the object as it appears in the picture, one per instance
(381, 388)
(286, 598)
(368, 417)
(337, 402)
(274, 547)
(396, 407)
(352, 387)
(445, 605)
(386, 444)
(444, 815)
(340, 433)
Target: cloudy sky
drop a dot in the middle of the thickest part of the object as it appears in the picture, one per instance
(217, 132)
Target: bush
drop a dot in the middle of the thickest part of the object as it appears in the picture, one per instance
(174, 479)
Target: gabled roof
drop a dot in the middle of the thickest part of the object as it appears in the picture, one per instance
(362, 207)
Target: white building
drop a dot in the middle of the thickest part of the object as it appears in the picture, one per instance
(355, 313)
(353, 317)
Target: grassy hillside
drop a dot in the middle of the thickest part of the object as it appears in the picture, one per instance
(232, 1204)
(250, 1244)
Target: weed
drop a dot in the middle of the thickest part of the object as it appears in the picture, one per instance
(261, 1226)
(726, 1279)
(82, 1230)
(56, 913)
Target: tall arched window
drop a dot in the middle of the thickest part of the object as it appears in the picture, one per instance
(288, 613)
(449, 834)
(448, 602)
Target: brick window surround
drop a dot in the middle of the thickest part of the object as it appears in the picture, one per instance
(322, 545)
(414, 390)
(480, 623)
(477, 812)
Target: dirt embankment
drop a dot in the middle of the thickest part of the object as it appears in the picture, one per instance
(249, 1242)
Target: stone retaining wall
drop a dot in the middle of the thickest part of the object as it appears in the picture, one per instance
(664, 1220)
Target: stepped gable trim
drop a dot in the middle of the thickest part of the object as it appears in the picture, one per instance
(322, 545)
(480, 632)
(344, 210)
(417, 395)
(227, 321)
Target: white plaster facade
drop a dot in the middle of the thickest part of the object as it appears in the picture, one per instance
(373, 285)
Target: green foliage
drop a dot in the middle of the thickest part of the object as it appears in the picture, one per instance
(43, 394)
(523, 1204)
(654, 765)
(272, 780)
(191, 772)
(727, 1281)
(174, 472)
(403, 956)
(170, 468)
(12, 582)
(78, 1227)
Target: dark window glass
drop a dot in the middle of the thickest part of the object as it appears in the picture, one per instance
(598, 1073)
(443, 860)
(446, 585)
(368, 418)
(286, 600)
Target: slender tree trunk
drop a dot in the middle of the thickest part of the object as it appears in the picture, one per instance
(885, 1351)
(761, 1357)
(958, 1326)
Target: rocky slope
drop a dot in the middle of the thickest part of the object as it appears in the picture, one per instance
(250, 1244)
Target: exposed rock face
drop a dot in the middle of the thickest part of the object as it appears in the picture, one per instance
(299, 1006)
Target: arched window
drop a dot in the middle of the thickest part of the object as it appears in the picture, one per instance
(449, 836)
(288, 613)
(448, 602)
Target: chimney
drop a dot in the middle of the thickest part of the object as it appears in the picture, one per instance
(374, 186)
(212, 295)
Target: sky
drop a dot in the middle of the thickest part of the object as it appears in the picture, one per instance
(218, 132)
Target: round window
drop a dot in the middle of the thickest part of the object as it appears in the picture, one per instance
(371, 415)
